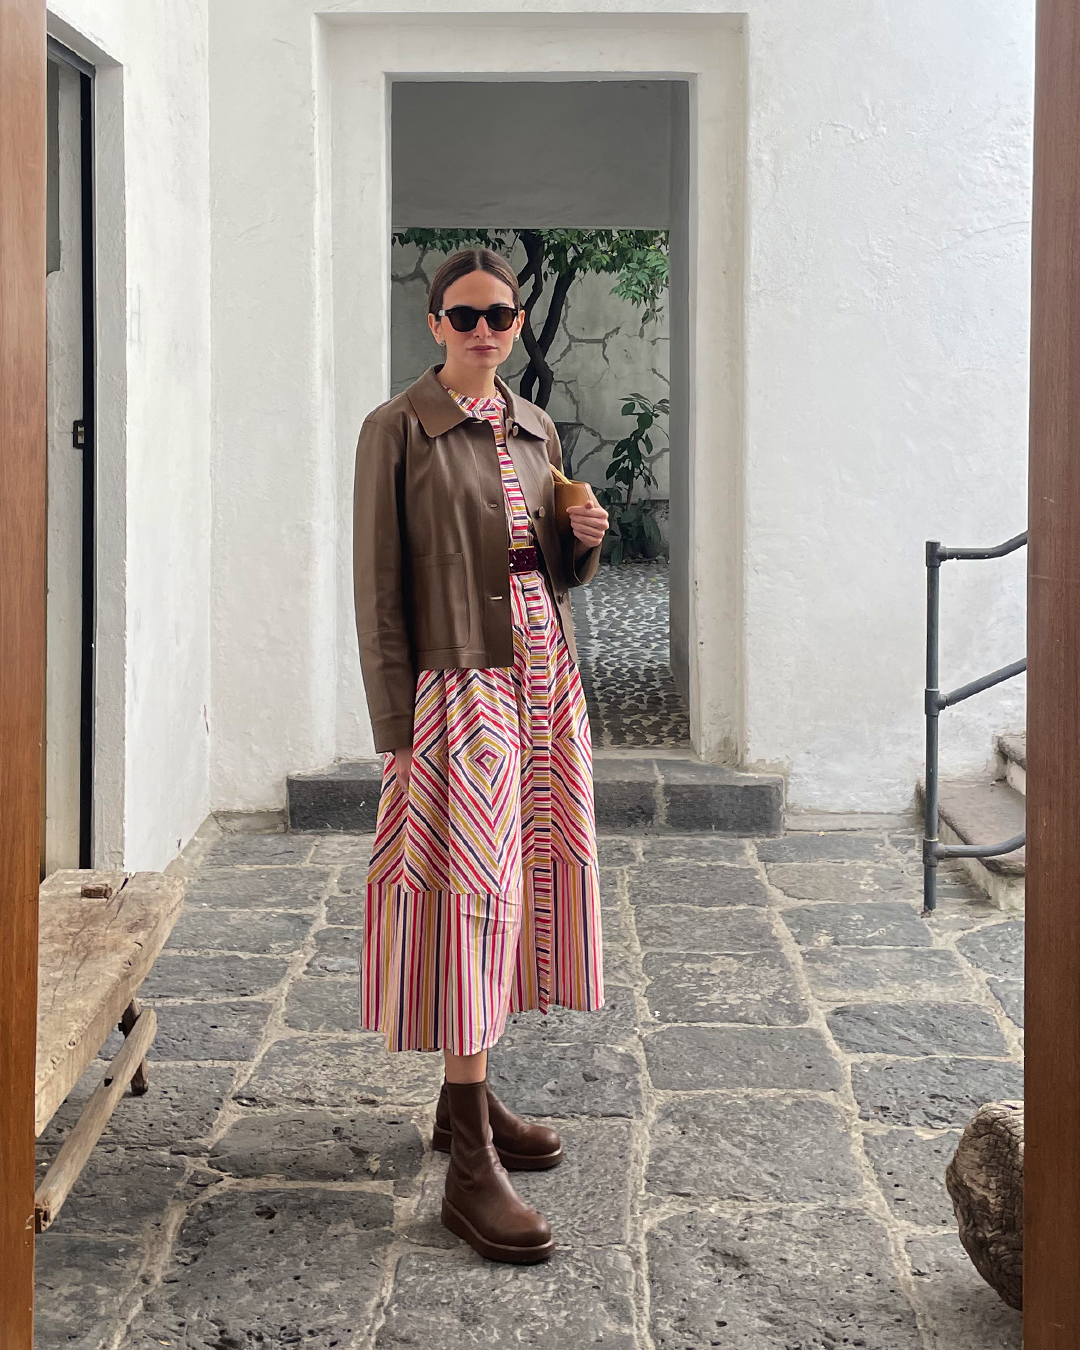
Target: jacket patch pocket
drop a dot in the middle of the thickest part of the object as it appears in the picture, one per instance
(441, 601)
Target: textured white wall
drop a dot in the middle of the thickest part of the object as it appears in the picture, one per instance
(863, 312)
(153, 240)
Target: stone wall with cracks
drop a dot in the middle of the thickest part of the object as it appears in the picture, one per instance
(602, 353)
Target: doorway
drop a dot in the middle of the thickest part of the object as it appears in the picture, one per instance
(67, 749)
(567, 175)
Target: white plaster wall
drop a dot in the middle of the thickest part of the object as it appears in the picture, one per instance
(867, 387)
(153, 453)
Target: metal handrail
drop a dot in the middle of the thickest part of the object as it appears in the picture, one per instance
(935, 701)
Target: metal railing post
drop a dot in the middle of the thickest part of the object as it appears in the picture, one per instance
(932, 704)
(933, 849)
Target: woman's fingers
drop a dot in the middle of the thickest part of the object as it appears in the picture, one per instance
(589, 523)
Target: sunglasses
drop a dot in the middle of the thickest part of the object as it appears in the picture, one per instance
(463, 318)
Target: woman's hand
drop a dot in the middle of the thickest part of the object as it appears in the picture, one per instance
(403, 766)
(589, 524)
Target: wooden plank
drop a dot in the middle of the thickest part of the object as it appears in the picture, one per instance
(22, 632)
(94, 955)
(1052, 961)
(77, 1147)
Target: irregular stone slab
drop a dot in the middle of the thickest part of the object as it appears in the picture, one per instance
(616, 851)
(831, 846)
(681, 928)
(344, 1074)
(998, 949)
(695, 848)
(366, 1145)
(346, 909)
(933, 1093)
(567, 1080)
(352, 879)
(337, 952)
(203, 1031)
(267, 934)
(910, 1169)
(767, 1148)
(580, 1298)
(270, 1267)
(916, 1029)
(619, 963)
(683, 1059)
(906, 843)
(842, 973)
(612, 1024)
(758, 988)
(961, 1310)
(885, 923)
(843, 883)
(295, 888)
(1010, 994)
(779, 1278)
(181, 1106)
(343, 848)
(279, 850)
(323, 1004)
(676, 882)
(120, 1191)
(175, 976)
(80, 1284)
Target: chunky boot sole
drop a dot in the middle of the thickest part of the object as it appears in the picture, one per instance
(494, 1251)
(513, 1162)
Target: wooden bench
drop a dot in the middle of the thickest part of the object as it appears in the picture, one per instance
(99, 935)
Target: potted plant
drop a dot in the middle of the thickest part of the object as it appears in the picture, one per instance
(633, 533)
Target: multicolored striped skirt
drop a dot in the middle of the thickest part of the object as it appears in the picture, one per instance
(483, 890)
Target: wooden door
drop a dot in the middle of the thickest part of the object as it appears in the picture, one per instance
(22, 633)
(1052, 962)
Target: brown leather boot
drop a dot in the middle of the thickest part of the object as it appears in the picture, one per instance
(479, 1202)
(521, 1147)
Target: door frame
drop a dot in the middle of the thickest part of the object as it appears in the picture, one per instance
(22, 632)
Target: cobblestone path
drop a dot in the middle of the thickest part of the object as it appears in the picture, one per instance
(621, 623)
(756, 1126)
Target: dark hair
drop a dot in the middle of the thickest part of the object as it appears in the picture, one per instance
(462, 264)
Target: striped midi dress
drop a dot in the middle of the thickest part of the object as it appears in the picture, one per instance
(483, 888)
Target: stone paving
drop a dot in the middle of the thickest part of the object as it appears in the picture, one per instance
(756, 1125)
(621, 626)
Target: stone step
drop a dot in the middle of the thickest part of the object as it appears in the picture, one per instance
(634, 791)
(1011, 751)
(972, 811)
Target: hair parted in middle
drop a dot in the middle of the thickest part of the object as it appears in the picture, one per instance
(464, 262)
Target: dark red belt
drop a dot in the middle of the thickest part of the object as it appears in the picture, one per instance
(524, 560)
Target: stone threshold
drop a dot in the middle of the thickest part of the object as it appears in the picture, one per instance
(667, 792)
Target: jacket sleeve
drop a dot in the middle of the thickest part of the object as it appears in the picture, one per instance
(578, 571)
(382, 626)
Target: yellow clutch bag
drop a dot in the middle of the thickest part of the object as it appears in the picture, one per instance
(568, 492)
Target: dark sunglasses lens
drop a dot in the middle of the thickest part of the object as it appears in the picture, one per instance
(463, 318)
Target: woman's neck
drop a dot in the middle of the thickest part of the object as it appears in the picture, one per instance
(471, 383)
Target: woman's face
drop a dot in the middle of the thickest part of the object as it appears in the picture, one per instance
(482, 348)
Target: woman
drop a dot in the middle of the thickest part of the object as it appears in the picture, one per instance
(482, 894)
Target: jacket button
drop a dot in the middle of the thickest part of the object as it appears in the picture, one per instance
(540, 512)
(494, 597)
(561, 597)
(514, 430)
(493, 505)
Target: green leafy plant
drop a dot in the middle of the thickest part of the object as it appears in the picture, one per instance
(638, 258)
(633, 532)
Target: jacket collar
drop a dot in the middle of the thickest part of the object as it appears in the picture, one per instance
(438, 412)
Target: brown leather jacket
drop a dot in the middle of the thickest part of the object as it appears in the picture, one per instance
(431, 578)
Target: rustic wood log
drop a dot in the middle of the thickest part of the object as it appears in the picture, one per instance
(986, 1182)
